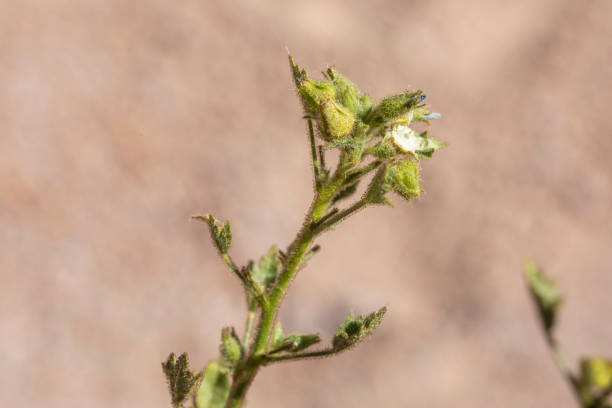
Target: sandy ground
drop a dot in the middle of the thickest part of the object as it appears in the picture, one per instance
(120, 119)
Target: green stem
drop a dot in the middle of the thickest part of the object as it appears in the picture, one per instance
(313, 150)
(298, 250)
(244, 375)
(563, 366)
(249, 329)
(300, 356)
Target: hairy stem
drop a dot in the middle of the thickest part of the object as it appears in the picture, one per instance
(245, 374)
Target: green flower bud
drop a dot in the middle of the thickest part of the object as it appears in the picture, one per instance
(230, 346)
(315, 92)
(404, 178)
(337, 120)
(393, 107)
(348, 94)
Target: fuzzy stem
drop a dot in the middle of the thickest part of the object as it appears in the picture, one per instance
(245, 375)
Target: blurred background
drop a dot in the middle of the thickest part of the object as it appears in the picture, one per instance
(119, 120)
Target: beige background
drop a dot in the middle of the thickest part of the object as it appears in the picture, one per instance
(119, 119)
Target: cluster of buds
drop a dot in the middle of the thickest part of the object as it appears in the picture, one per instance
(350, 120)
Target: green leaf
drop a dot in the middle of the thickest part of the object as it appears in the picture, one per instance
(215, 386)
(231, 347)
(265, 272)
(355, 329)
(545, 294)
(345, 193)
(403, 178)
(220, 234)
(409, 141)
(180, 379)
(348, 94)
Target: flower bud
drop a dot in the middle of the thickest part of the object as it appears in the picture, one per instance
(315, 92)
(348, 94)
(393, 107)
(336, 119)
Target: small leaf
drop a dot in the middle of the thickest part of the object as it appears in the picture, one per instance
(265, 272)
(404, 178)
(221, 234)
(545, 294)
(409, 141)
(345, 193)
(181, 380)
(231, 348)
(355, 329)
(215, 387)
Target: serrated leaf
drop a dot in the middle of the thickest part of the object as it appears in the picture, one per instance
(545, 294)
(221, 234)
(231, 348)
(355, 329)
(264, 272)
(181, 380)
(215, 386)
(409, 141)
(403, 178)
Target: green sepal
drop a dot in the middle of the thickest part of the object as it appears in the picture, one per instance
(379, 187)
(299, 74)
(313, 93)
(181, 380)
(337, 121)
(231, 347)
(409, 141)
(265, 272)
(348, 94)
(215, 386)
(403, 177)
(356, 329)
(220, 234)
(383, 150)
(544, 293)
(393, 107)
